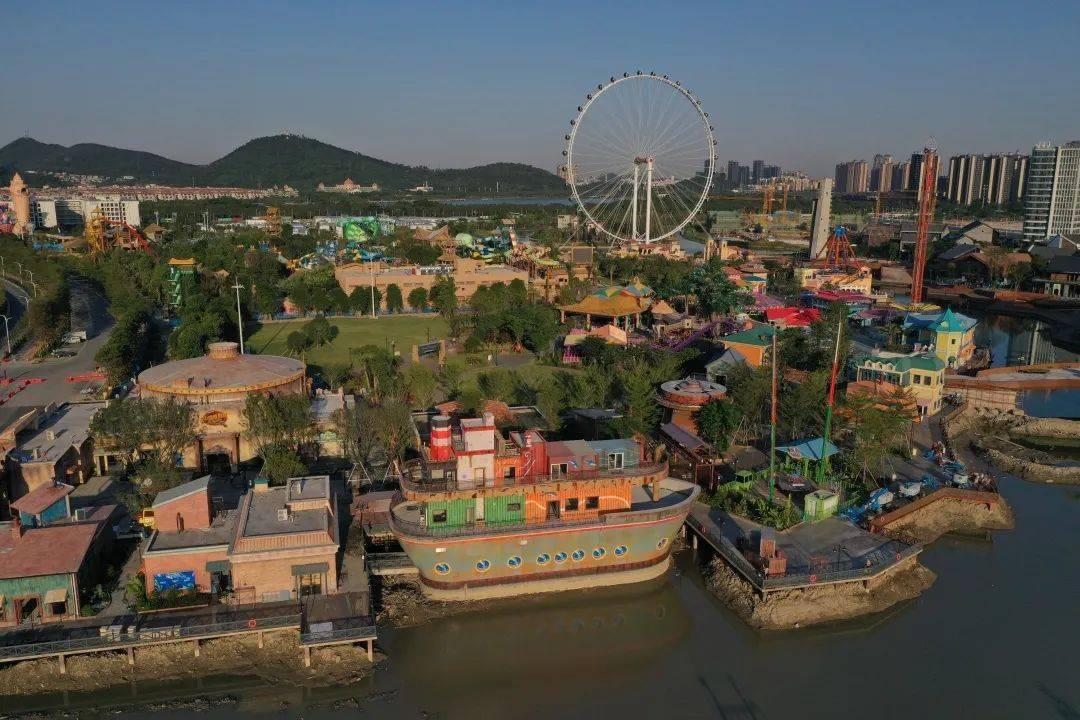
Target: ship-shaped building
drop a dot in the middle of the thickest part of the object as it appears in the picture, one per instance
(492, 507)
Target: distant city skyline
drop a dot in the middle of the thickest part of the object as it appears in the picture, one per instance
(484, 82)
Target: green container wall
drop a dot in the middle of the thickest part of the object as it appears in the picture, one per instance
(497, 509)
(17, 587)
(456, 512)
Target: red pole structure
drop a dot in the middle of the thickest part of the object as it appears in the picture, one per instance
(927, 201)
(772, 419)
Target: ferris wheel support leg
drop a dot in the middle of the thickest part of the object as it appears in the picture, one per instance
(648, 198)
(637, 179)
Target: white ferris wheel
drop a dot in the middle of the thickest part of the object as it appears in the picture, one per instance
(640, 157)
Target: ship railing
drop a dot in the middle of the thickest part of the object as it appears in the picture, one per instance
(618, 517)
(421, 482)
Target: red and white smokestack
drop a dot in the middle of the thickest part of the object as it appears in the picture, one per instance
(439, 447)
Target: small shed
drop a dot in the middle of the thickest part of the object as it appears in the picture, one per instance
(821, 504)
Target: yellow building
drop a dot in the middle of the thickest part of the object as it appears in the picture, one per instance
(921, 373)
(950, 336)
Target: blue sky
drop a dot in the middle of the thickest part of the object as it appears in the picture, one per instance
(803, 84)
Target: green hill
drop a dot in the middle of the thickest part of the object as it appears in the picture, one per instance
(276, 160)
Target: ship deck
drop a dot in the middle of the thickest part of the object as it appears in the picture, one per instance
(408, 515)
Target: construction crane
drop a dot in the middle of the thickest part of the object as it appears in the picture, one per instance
(103, 234)
(927, 201)
(767, 200)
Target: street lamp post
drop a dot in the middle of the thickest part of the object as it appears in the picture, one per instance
(35, 288)
(20, 268)
(7, 334)
(239, 318)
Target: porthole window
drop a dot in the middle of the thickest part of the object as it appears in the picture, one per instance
(543, 559)
(599, 553)
(620, 551)
(560, 557)
(482, 566)
(578, 555)
(514, 562)
(442, 568)
(660, 545)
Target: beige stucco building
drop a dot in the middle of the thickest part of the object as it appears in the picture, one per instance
(468, 274)
(218, 384)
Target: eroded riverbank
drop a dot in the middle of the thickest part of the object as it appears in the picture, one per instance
(278, 661)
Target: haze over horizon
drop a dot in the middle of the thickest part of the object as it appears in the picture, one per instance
(804, 86)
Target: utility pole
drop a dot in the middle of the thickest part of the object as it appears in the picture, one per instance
(371, 266)
(239, 317)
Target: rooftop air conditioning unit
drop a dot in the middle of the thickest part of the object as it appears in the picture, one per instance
(283, 515)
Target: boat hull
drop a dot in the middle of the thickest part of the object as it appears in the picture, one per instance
(539, 559)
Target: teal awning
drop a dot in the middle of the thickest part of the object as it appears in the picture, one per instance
(221, 566)
(310, 569)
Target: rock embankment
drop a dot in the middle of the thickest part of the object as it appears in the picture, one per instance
(950, 515)
(279, 660)
(800, 607)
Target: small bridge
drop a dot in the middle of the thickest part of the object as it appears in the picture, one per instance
(1000, 387)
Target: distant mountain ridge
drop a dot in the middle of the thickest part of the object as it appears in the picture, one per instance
(274, 160)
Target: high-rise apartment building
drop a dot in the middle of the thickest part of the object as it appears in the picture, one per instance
(881, 174)
(915, 173)
(759, 170)
(1052, 195)
(852, 177)
(901, 176)
(986, 179)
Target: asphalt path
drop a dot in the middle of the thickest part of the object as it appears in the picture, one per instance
(55, 371)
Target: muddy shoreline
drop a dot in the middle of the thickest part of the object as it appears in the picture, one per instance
(279, 661)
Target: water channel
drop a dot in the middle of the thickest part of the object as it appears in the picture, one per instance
(995, 637)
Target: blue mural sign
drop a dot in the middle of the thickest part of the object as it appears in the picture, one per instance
(175, 581)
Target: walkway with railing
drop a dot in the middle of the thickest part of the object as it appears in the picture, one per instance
(415, 479)
(882, 555)
(349, 623)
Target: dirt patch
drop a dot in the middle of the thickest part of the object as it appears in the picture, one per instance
(279, 660)
(948, 515)
(789, 609)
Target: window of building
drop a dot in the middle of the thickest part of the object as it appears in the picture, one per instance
(442, 568)
(599, 553)
(620, 551)
(543, 559)
(438, 516)
(513, 507)
(560, 557)
(559, 468)
(592, 503)
(578, 555)
(514, 561)
(571, 504)
(615, 460)
(310, 584)
(483, 565)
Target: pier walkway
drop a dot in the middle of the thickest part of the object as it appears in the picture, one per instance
(825, 552)
(321, 620)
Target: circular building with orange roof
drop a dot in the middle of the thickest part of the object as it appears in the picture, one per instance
(218, 385)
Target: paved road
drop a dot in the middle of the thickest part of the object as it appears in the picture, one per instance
(54, 370)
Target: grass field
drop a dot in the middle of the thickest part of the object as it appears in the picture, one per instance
(404, 330)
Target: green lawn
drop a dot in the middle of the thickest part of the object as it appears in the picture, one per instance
(405, 331)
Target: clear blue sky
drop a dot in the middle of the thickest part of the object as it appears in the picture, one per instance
(803, 84)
